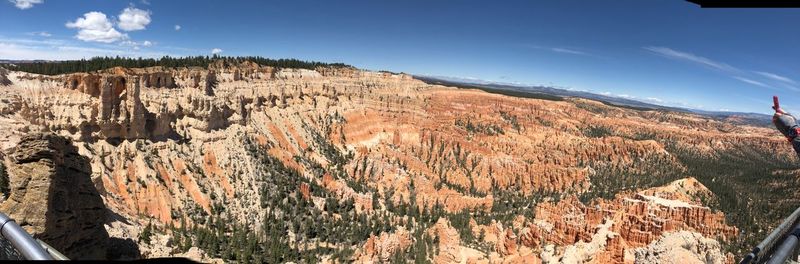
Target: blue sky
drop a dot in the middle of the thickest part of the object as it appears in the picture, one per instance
(669, 52)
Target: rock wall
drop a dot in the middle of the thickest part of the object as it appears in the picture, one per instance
(122, 114)
(52, 196)
(86, 83)
(158, 80)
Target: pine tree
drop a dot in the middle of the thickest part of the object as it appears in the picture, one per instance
(144, 237)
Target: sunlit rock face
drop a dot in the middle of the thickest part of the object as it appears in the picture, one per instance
(168, 145)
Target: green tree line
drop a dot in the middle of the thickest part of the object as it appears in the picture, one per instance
(101, 63)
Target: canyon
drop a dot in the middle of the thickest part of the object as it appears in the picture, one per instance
(385, 166)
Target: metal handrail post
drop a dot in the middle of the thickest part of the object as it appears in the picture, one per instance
(21, 240)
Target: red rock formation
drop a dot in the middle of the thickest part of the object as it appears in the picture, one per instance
(449, 242)
(380, 249)
(638, 218)
(305, 190)
(211, 168)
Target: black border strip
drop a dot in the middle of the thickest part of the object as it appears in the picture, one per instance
(746, 3)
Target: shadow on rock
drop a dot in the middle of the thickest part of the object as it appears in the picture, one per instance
(53, 198)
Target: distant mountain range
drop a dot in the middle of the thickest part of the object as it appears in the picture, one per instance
(551, 93)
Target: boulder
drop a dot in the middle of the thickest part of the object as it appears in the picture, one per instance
(53, 198)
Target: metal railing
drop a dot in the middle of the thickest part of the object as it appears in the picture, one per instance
(52, 251)
(22, 242)
(780, 246)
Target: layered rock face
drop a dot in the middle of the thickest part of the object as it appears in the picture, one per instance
(109, 106)
(180, 149)
(53, 198)
(115, 110)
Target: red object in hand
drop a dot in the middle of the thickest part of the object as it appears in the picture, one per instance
(776, 105)
(775, 102)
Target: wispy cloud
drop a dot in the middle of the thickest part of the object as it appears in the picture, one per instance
(753, 82)
(776, 77)
(654, 99)
(790, 87)
(17, 51)
(757, 78)
(564, 50)
(568, 51)
(137, 45)
(60, 49)
(680, 55)
(40, 34)
(33, 41)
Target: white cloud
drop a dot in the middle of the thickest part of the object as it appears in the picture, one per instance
(674, 54)
(216, 51)
(776, 77)
(95, 26)
(750, 81)
(145, 2)
(132, 19)
(25, 4)
(147, 43)
(177, 27)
